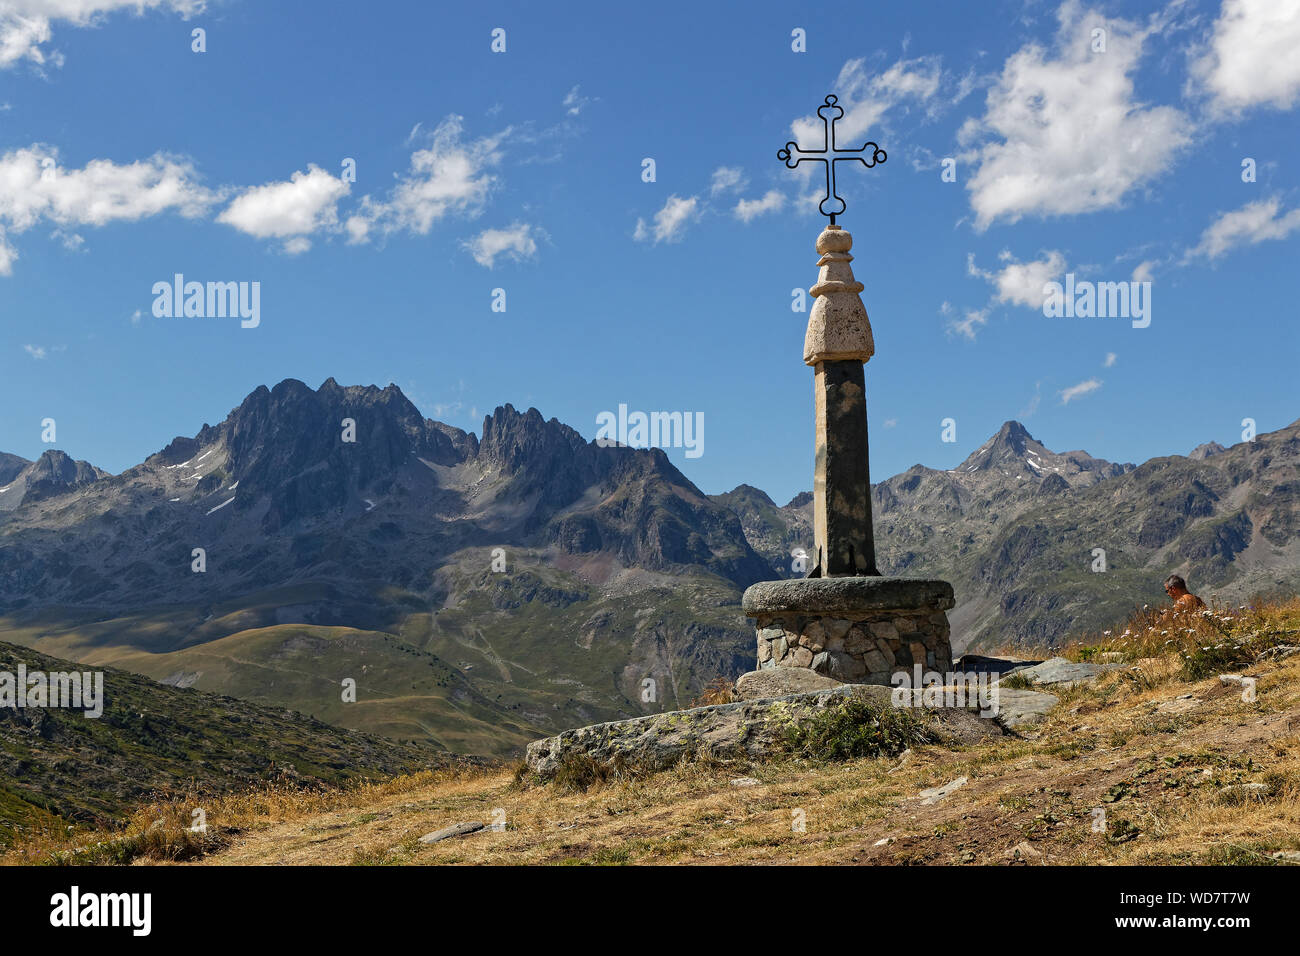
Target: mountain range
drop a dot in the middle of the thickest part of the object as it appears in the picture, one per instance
(485, 591)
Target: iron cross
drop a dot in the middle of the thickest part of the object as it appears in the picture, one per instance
(793, 154)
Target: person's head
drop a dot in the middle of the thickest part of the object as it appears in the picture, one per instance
(1175, 585)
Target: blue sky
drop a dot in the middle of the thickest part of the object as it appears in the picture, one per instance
(126, 157)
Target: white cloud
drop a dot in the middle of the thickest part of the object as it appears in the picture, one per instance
(450, 177)
(972, 320)
(26, 25)
(727, 178)
(574, 103)
(70, 240)
(773, 201)
(1078, 391)
(1142, 271)
(1252, 56)
(1061, 133)
(867, 96)
(290, 210)
(1252, 223)
(515, 241)
(1020, 283)
(1111, 359)
(35, 351)
(358, 229)
(669, 222)
(34, 187)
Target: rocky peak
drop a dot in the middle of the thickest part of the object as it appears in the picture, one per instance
(548, 460)
(747, 494)
(1014, 454)
(278, 433)
(513, 440)
(56, 472)
(1206, 450)
(1011, 444)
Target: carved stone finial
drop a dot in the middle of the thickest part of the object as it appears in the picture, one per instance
(838, 328)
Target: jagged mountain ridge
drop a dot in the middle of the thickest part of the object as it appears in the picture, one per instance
(278, 467)
(323, 555)
(395, 534)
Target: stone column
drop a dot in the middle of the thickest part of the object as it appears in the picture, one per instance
(837, 345)
(846, 621)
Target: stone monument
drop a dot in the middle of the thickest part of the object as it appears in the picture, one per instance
(845, 620)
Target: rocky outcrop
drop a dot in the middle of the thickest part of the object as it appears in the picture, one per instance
(748, 730)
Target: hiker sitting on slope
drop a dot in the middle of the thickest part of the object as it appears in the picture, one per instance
(1184, 600)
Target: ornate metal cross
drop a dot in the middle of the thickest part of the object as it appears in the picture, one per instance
(793, 154)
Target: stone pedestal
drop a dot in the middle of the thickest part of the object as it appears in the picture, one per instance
(855, 629)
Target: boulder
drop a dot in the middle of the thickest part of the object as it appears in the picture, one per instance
(781, 682)
(979, 664)
(1019, 708)
(1059, 671)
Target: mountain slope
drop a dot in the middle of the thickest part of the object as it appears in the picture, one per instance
(57, 763)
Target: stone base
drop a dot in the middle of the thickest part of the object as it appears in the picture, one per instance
(853, 629)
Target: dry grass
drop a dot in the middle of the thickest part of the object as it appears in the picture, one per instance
(720, 690)
(1147, 764)
(1194, 635)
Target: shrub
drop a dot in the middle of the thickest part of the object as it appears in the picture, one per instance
(858, 729)
(579, 772)
(1016, 682)
(717, 691)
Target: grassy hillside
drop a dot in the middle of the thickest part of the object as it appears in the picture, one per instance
(60, 768)
(1182, 769)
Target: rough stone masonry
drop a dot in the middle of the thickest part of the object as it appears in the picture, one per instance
(845, 620)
